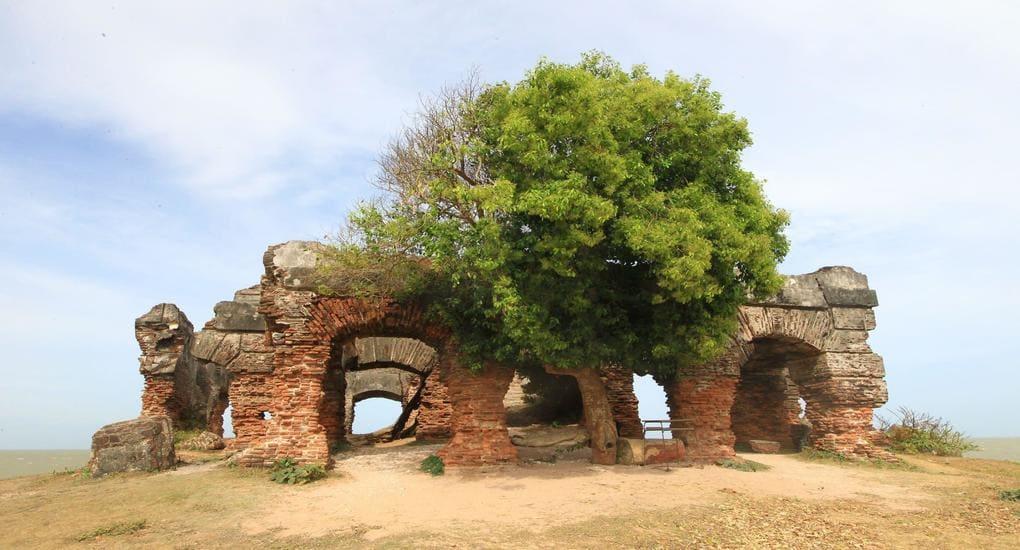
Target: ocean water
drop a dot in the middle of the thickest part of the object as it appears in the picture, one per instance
(24, 463)
(997, 448)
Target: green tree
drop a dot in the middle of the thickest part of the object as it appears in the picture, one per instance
(583, 216)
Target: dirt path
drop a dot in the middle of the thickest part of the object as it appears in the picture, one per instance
(382, 493)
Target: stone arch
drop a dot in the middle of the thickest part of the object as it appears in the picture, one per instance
(395, 366)
(815, 331)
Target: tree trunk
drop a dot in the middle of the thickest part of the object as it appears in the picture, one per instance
(598, 414)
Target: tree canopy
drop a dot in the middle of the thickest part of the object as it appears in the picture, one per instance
(584, 215)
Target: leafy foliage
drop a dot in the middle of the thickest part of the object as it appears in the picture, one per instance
(1012, 495)
(582, 216)
(921, 433)
(433, 465)
(287, 471)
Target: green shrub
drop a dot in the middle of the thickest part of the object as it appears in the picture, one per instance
(289, 472)
(743, 465)
(921, 433)
(1010, 496)
(433, 465)
(113, 530)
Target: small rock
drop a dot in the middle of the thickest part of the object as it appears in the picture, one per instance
(205, 441)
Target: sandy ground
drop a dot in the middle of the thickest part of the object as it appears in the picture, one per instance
(382, 492)
(378, 498)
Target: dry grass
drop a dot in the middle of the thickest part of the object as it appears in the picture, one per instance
(204, 509)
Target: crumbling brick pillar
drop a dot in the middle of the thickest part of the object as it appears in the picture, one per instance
(163, 334)
(333, 414)
(158, 398)
(249, 400)
(705, 400)
(479, 419)
(840, 408)
(619, 382)
(435, 412)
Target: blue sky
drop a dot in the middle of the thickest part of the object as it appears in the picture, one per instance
(151, 154)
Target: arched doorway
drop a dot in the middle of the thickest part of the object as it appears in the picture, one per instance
(773, 386)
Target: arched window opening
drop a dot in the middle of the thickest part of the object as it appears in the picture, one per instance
(771, 403)
(651, 403)
(375, 414)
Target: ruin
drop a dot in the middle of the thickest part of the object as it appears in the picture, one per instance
(292, 362)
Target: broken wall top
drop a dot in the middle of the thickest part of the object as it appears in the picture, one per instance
(835, 286)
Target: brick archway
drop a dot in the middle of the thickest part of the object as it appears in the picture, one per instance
(306, 329)
(820, 321)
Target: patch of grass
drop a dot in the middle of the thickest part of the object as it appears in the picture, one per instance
(743, 465)
(916, 432)
(829, 457)
(289, 472)
(1012, 495)
(433, 465)
(76, 473)
(113, 530)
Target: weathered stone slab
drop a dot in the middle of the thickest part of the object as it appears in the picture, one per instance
(227, 350)
(798, 291)
(864, 297)
(764, 447)
(840, 276)
(548, 436)
(855, 365)
(853, 318)
(238, 317)
(250, 295)
(853, 341)
(143, 444)
(293, 263)
(205, 343)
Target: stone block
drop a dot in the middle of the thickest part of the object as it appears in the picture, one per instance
(863, 297)
(764, 447)
(549, 436)
(205, 343)
(853, 318)
(855, 365)
(227, 350)
(798, 291)
(851, 341)
(238, 317)
(293, 263)
(840, 276)
(143, 444)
